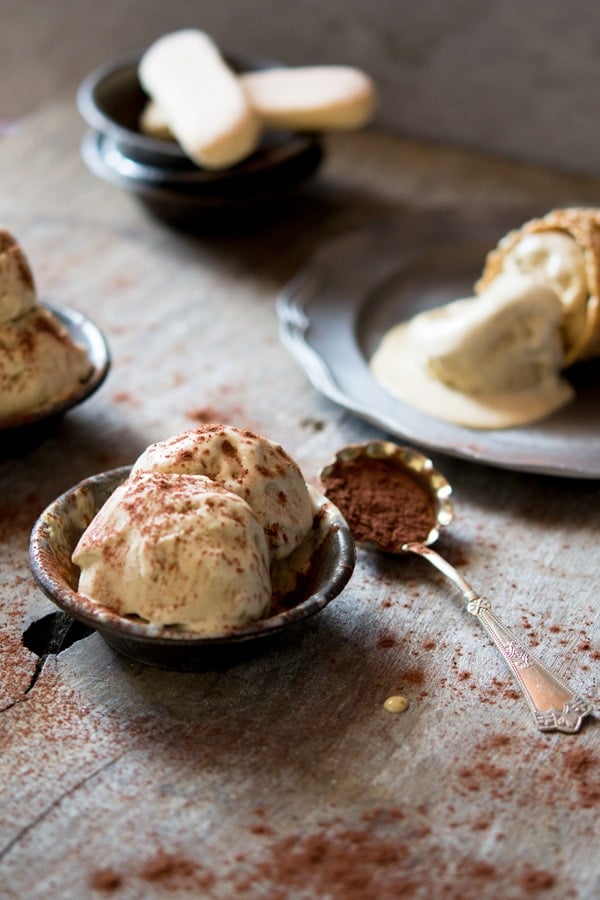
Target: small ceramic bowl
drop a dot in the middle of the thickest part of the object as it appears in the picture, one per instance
(315, 574)
(158, 172)
(85, 333)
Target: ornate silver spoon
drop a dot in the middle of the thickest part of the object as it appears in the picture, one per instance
(428, 508)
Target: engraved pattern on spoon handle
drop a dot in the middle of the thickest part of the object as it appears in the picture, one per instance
(554, 706)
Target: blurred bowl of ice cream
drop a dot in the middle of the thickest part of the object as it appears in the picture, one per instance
(84, 334)
(50, 359)
(175, 568)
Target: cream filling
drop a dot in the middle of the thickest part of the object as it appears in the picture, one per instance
(555, 260)
(484, 362)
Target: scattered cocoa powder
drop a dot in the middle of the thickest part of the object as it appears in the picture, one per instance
(339, 863)
(105, 880)
(387, 640)
(261, 828)
(175, 872)
(164, 865)
(534, 880)
(208, 414)
(582, 766)
(478, 869)
(413, 676)
(381, 501)
(125, 397)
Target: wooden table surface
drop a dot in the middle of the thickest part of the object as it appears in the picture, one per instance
(283, 776)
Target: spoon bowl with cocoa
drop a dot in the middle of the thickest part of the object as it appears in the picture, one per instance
(396, 501)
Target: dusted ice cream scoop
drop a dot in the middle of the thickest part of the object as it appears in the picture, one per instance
(484, 362)
(176, 550)
(562, 251)
(255, 468)
(17, 289)
(39, 362)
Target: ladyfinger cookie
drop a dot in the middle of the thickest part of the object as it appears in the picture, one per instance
(310, 98)
(201, 99)
(154, 123)
(307, 98)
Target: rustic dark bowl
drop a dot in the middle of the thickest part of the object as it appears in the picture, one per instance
(83, 332)
(318, 570)
(158, 172)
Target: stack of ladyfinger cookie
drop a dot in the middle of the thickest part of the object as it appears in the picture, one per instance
(218, 116)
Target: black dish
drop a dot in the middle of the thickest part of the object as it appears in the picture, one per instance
(158, 172)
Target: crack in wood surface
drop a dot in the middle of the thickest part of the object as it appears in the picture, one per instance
(54, 805)
(62, 631)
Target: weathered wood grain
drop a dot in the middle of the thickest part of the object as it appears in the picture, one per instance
(283, 776)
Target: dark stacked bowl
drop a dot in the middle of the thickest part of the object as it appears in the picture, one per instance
(158, 172)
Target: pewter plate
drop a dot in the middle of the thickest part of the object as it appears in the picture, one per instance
(335, 311)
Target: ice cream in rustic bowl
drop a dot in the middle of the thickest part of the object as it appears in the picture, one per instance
(209, 544)
(51, 359)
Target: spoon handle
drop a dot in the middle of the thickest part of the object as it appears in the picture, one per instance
(554, 706)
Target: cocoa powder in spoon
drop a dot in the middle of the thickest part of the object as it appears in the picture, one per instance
(381, 500)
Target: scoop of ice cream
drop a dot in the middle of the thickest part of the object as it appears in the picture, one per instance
(176, 550)
(553, 259)
(562, 251)
(38, 362)
(507, 341)
(256, 469)
(487, 362)
(17, 289)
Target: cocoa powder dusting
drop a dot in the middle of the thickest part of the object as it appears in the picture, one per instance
(381, 501)
(343, 864)
(105, 880)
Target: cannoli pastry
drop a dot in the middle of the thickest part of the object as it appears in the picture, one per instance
(561, 251)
